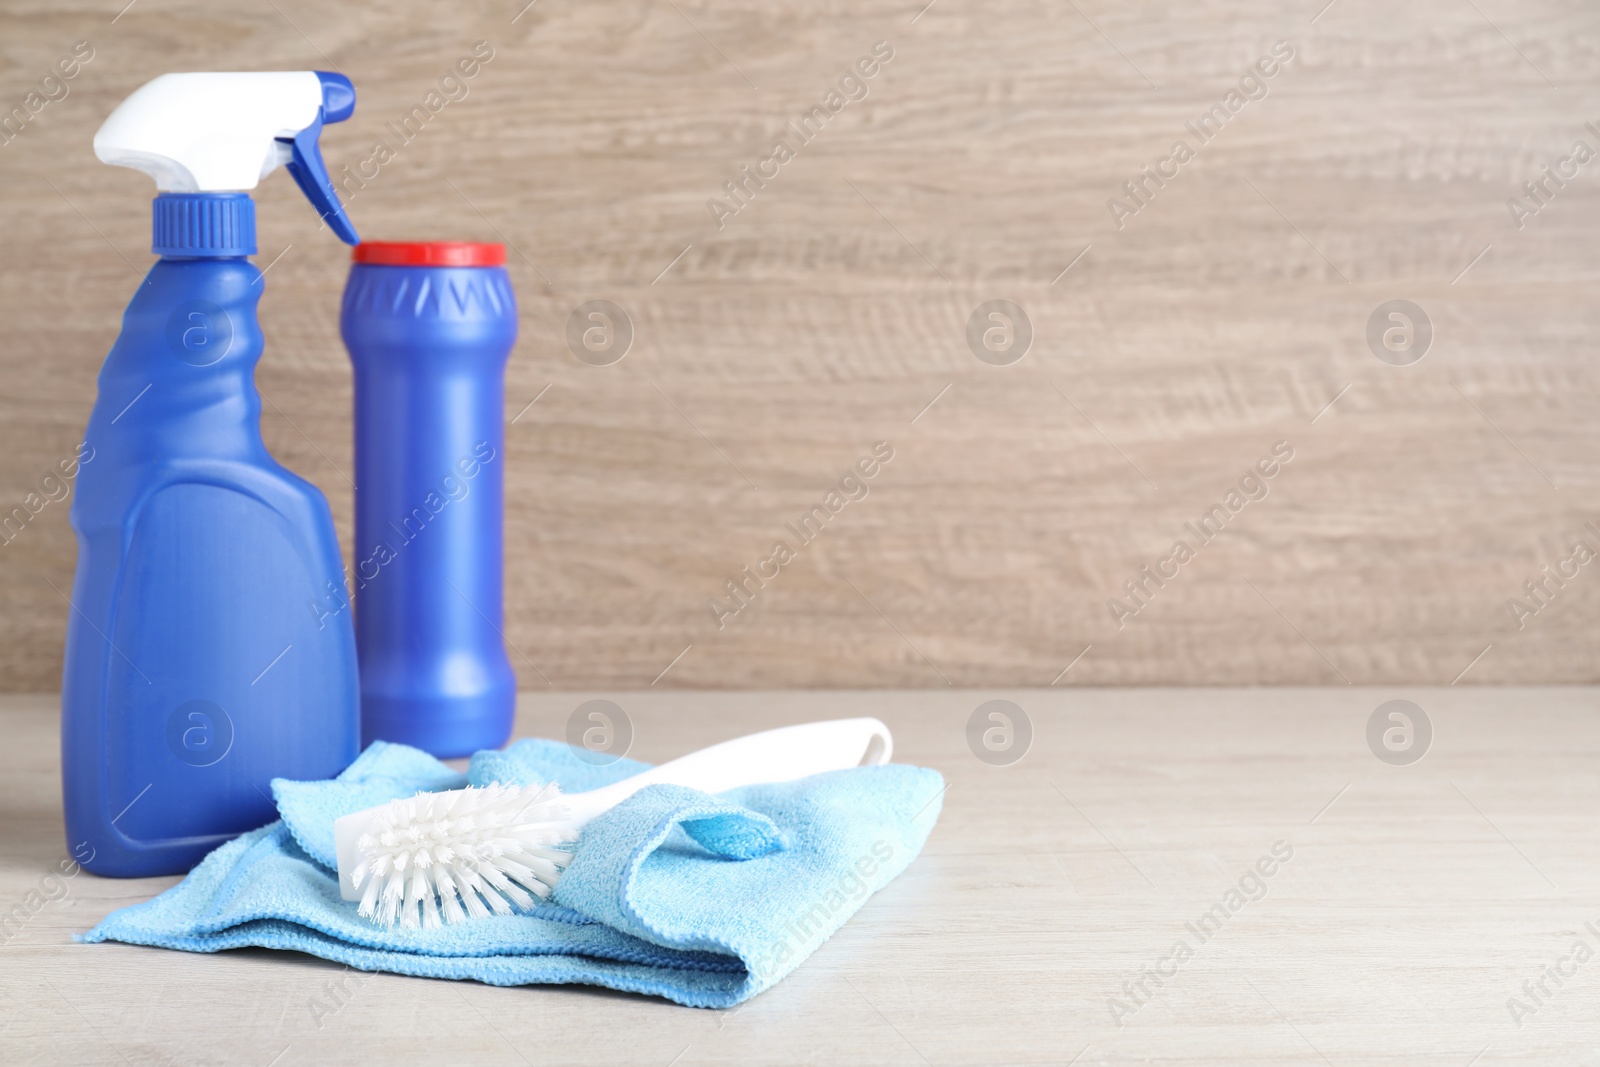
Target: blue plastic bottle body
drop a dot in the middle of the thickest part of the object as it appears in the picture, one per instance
(429, 347)
(209, 647)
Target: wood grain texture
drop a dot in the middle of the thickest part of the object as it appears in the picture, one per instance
(1416, 903)
(1225, 316)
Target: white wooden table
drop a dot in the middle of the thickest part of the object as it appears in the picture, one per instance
(1417, 902)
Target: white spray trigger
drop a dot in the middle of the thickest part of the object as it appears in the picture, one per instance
(225, 131)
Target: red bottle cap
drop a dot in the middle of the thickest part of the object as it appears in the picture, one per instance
(429, 254)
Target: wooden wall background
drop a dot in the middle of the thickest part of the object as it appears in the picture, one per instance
(769, 355)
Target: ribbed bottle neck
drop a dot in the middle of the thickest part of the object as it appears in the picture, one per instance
(203, 224)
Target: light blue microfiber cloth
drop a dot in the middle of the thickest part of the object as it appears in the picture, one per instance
(705, 900)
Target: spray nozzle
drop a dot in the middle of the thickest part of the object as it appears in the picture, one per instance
(224, 132)
(305, 155)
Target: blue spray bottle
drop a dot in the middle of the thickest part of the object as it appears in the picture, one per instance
(210, 646)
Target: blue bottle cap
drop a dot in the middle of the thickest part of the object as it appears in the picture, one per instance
(203, 224)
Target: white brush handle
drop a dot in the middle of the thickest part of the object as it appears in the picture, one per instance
(781, 755)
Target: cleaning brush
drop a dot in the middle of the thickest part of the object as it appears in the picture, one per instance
(452, 853)
(468, 853)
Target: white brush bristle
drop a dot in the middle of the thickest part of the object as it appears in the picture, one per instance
(463, 854)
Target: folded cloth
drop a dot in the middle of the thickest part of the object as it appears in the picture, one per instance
(704, 900)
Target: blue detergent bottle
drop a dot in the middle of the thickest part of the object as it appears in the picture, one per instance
(429, 326)
(210, 646)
